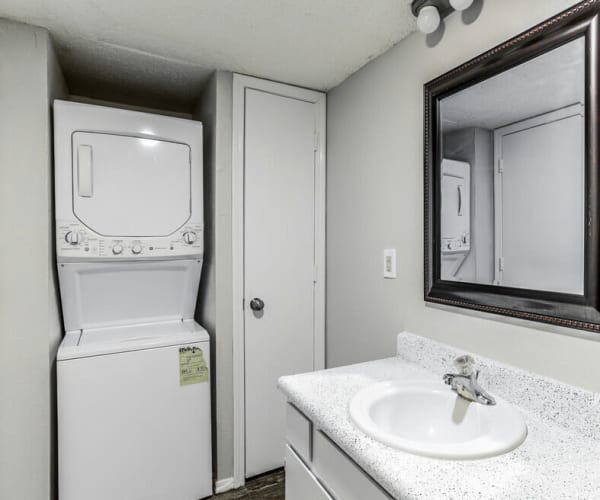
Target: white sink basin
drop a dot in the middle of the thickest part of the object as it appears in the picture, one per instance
(428, 418)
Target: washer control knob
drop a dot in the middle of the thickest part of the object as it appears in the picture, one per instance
(117, 249)
(189, 237)
(136, 249)
(73, 238)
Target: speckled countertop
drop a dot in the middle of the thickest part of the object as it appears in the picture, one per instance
(559, 459)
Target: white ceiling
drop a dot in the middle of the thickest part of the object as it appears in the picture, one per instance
(551, 81)
(164, 50)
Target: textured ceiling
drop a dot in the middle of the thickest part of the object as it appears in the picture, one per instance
(164, 50)
(551, 81)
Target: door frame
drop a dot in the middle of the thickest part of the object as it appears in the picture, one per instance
(556, 115)
(240, 84)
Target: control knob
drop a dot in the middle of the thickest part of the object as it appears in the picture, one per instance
(189, 237)
(117, 249)
(136, 249)
(73, 238)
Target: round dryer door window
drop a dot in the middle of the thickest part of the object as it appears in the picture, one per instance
(129, 186)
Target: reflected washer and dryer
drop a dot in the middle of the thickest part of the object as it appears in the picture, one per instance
(132, 423)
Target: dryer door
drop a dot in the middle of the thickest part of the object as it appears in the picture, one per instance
(129, 186)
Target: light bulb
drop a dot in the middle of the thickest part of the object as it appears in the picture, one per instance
(461, 4)
(428, 19)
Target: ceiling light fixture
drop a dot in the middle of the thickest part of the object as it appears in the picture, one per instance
(461, 4)
(428, 19)
(429, 13)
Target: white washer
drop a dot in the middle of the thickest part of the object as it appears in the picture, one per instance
(133, 368)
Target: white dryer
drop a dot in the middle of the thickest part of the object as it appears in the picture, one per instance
(134, 419)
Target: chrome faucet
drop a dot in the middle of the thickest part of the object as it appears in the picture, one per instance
(465, 383)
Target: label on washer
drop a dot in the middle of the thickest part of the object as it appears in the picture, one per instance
(192, 366)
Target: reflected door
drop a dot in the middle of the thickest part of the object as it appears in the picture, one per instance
(540, 203)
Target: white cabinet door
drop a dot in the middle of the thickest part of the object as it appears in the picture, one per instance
(300, 484)
(279, 254)
(343, 478)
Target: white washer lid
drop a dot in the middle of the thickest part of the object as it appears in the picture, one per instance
(97, 295)
(101, 341)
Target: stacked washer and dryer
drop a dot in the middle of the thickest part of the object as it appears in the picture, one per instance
(134, 420)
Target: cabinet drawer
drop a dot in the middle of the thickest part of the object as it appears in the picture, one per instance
(343, 478)
(298, 432)
(300, 484)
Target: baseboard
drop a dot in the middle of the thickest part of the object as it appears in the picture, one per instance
(223, 485)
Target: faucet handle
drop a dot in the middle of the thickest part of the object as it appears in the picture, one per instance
(465, 364)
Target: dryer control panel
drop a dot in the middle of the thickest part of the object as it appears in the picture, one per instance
(74, 240)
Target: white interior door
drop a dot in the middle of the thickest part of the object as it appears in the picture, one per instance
(279, 261)
(541, 209)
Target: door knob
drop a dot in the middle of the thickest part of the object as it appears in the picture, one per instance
(257, 304)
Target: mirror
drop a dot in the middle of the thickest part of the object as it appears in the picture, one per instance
(511, 177)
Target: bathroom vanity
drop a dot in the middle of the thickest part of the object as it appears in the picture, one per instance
(315, 465)
(328, 456)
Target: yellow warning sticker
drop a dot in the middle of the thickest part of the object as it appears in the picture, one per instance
(192, 366)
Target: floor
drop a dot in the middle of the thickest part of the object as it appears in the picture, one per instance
(270, 486)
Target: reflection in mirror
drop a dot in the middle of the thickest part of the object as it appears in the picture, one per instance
(512, 176)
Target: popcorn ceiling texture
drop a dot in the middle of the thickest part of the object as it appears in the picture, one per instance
(559, 459)
(166, 50)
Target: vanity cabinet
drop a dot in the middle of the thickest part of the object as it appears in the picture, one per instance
(316, 468)
(300, 483)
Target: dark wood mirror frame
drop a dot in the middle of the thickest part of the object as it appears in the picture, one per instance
(575, 311)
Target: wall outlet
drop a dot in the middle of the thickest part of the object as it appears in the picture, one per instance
(389, 263)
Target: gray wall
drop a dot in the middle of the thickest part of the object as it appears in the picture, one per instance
(476, 147)
(375, 186)
(215, 304)
(30, 326)
(57, 89)
(149, 107)
(205, 112)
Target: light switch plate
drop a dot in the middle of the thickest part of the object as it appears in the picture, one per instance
(389, 263)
